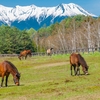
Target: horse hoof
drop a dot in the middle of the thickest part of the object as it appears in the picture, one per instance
(17, 84)
(87, 74)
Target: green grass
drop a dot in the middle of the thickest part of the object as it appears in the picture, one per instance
(48, 78)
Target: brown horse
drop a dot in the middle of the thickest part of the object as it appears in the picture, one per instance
(6, 68)
(25, 53)
(49, 51)
(76, 60)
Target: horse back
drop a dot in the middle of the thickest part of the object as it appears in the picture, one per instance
(1, 69)
(23, 53)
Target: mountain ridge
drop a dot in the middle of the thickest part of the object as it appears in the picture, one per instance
(30, 15)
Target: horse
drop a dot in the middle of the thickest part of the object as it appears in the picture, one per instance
(7, 68)
(25, 53)
(76, 60)
(49, 51)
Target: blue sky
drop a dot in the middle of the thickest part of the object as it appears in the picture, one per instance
(92, 6)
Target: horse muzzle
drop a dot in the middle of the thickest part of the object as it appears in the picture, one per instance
(17, 84)
(86, 73)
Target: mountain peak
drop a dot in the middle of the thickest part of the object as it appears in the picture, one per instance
(10, 15)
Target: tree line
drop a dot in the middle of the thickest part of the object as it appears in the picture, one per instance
(70, 34)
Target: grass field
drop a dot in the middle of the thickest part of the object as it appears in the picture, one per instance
(48, 78)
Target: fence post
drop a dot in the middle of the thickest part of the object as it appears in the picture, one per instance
(88, 50)
(83, 51)
(93, 50)
(99, 49)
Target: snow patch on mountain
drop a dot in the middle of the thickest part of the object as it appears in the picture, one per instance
(9, 15)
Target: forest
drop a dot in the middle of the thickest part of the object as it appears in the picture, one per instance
(13, 40)
(71, 33)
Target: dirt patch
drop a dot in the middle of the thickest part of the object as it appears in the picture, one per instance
(51, 65)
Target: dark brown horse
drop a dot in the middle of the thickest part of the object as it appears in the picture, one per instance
(76, 60)
(49, 51)
(7, 68)
(25, 53)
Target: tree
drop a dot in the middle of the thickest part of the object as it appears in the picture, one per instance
(13, 40)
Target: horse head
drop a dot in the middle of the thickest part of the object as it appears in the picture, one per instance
(86, 70)
(29, 53)
(19, 57)
(51, 48)
(16, 79)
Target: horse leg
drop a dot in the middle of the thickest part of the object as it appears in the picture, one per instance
(6, 80)
(25, 56)
(75, 70)
(48, 54)
(78, 70)
(2, 81)
(71, 69)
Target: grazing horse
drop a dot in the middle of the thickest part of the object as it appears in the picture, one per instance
(76, 60)
(7, 68)
(25, 53)
(49, 51)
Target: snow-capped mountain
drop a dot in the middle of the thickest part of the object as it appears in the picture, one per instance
(33, 16)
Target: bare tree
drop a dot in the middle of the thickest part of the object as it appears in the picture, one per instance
(98, 32)
(87, 27)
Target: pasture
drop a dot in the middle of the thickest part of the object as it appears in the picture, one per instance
(48, 78)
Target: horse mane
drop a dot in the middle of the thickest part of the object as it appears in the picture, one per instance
(12, 65)
(82, 61)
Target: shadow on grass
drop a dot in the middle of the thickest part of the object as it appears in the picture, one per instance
(81, 75)
(15, 85)
(66, 81)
